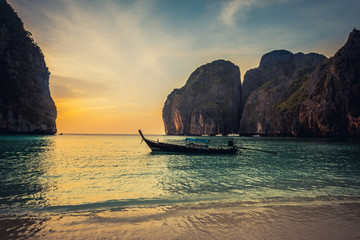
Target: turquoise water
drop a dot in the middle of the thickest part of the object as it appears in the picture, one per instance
(58, 186)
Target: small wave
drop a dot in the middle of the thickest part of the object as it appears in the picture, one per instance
(188, 204)
(115, 205)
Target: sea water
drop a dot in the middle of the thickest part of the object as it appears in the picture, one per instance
(113, 187)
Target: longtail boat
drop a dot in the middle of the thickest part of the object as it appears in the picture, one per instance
(192, 145)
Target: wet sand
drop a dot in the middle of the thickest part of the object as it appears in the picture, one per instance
(312, 220)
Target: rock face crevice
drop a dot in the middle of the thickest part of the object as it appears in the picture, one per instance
(209, 103)
(26, 105)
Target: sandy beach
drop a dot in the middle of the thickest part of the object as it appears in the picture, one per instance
(274, 220)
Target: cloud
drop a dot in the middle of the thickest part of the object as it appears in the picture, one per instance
(71, 87)
(120, 58)
(231, 9)
(124, 47)
(110, 59)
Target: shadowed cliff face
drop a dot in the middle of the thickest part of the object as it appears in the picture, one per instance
(25, 102)
(332, 106)
(304, 95)
(209, 103)
(287, 95)
(273, 93)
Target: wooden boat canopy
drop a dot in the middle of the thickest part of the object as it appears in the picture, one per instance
(197, 140)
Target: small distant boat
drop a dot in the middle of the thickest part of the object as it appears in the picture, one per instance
(233, 135)
(218, 132)
(205, 134)
(195, 146)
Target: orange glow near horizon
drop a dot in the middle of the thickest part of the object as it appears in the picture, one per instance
(113, 63)
(75, 117)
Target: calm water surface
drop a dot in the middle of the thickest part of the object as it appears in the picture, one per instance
(110, 186)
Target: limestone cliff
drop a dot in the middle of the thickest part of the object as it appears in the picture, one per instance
(332, 104)
(272, 93)
(209, 103)
(287, 95)
(304, 95)
(25, 102)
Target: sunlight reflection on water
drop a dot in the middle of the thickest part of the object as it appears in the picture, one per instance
(46, 180)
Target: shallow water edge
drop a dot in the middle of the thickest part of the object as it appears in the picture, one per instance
(111, 187)
(233, 220)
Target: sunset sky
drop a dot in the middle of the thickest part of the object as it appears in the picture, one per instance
(113, 62)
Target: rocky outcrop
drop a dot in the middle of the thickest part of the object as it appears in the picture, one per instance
(272, 93)
(25, 102)
(304, 95)
(287, 95)
(332, 103)
(209, 103)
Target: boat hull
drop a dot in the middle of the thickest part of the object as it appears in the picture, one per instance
(172, 148)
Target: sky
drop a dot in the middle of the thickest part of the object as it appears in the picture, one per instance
(114, 62)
